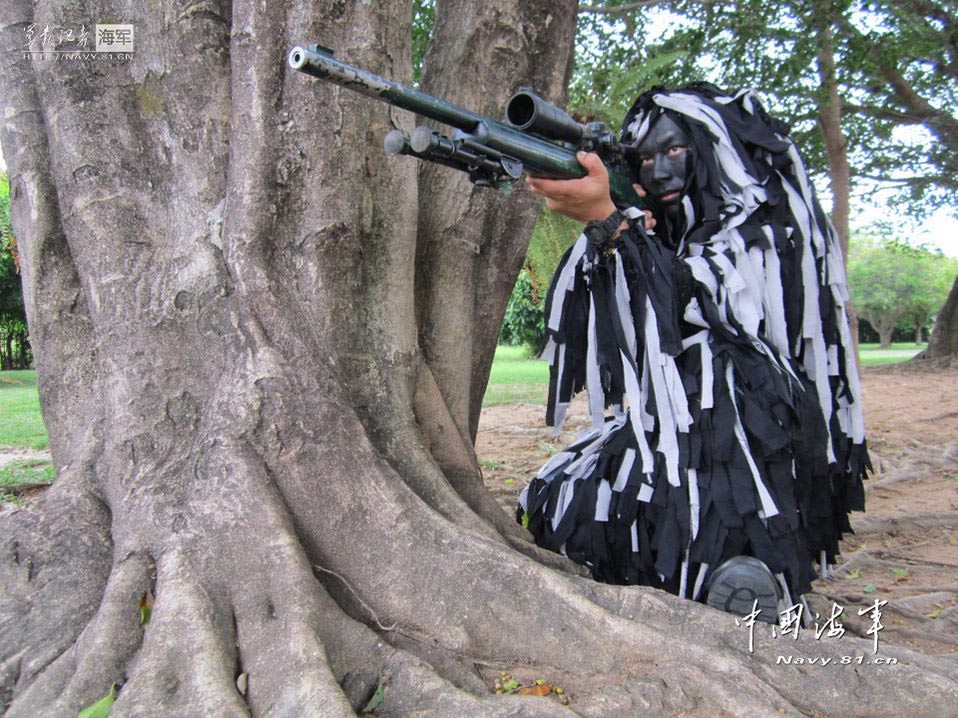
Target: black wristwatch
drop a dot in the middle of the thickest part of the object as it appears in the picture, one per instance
(599, 232)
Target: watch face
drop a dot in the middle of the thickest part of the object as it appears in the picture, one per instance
(662, 160)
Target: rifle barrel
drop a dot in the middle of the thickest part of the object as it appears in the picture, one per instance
(319, 63)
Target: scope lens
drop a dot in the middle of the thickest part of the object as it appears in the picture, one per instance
(521, 110)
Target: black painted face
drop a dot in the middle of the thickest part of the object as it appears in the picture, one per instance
(663, 162)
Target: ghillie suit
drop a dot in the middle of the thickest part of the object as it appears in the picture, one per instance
(721, 375)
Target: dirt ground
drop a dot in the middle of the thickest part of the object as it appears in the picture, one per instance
(905, 547)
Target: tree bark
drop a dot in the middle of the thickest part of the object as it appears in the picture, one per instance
(829, 119)
(942, 346)
(836, 146)
(260, 378)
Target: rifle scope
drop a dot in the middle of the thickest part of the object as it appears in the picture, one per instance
(526, 111)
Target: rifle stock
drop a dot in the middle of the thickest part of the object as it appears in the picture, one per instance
(538, 137)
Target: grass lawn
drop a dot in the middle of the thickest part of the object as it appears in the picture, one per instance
(517, 378)
(20, 420)
(902, 351)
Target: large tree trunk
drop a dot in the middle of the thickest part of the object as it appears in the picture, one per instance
(260, 371)
(942, 346)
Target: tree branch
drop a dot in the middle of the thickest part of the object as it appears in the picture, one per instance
(883, 113)
(943, 180)
(621, 9)
(903, 89)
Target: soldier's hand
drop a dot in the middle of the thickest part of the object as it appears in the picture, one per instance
(586, 199)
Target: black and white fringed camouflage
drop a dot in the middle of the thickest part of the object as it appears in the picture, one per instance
(722, 384)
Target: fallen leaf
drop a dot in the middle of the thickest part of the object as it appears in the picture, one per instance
(900, 571)
(511, 685)
(242, 681)
(102, 708)
(543, 689)
(146, 606)
(869, 588)
(934, 614)
(377, 698)
(853, 574)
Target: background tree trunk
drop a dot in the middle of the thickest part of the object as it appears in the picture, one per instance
(260, 369)
(943, 343)
(836, 146)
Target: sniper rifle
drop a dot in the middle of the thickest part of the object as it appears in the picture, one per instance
(537, 137)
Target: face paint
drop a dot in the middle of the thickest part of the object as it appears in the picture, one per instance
(662, 160)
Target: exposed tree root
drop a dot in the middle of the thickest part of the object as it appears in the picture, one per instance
(20, 489)
(111, 638)
(865, 557)
(53, 569)
(185, 663)
(681, 633)
(458, 461)
(913, 522)
(917, 560)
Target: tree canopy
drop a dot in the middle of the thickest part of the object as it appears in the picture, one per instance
(896, 68)
(896, 285)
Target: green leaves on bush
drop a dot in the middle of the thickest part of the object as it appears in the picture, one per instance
(524, 322)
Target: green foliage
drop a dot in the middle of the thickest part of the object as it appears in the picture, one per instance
(523, 323)
(892, 282)
(524, 320)
(897, 72)
(11, 297)
(14, 346)
(552, 236)
(423, 20)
